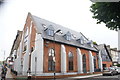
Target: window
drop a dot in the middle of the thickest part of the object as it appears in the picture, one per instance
(12, 58)
(94, 62)
(70, 61)
(84, 63)
(81, 41)
(51, 52)
(25, 48)
(26, 32)
(44, 25)
(107, 57)
(15, 56)
(68, 36)
(32, 49)
(104, 66)
(90, 43)
(25, 36)
(51, 61)
(51, 32)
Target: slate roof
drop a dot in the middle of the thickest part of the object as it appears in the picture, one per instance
(104, 52)
(60, 37)
(16, 41)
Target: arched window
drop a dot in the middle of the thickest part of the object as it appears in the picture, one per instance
(26, 33)
(95, 62)
(70, 61)
(51, 60)
(84, 63)
(51, 52)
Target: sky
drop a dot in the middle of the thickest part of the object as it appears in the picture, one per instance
(73, 14)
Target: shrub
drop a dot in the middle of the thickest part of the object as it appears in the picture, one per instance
(118, 65)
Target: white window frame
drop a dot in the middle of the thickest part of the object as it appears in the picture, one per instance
(68, 37)
(50, 32)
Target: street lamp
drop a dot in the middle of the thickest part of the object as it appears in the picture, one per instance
(54, 49)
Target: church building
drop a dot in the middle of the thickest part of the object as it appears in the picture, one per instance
(49, 49)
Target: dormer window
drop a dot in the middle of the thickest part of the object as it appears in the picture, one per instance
(81, 40)
(50, 31)
(68, 36)
(90, 43)
(44, 25)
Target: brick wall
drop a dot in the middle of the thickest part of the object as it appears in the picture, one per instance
(50, 44)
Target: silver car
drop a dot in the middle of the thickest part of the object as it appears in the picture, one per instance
(110, 71)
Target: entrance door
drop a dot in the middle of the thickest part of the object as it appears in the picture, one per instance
(104, 66)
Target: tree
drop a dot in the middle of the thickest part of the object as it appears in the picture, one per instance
(108, 13)
(1, 2)
(95, 43)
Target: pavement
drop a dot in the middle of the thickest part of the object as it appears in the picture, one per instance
(86, 76)
(11, 76)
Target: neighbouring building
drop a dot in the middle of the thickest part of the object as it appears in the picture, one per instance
(14, 56)
(119, 46)
(105, 54)
(114, 55)
(46, 48)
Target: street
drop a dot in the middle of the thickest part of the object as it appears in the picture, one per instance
(8, 75)
(108, 77)
(115, 77)
(0, 71)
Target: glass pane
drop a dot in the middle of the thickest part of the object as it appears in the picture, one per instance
(49, 32)
(70, 56)
(53, 66)
(70, 65)
(51, 60)
(52, 32)
(84, 63)
(49, 65)
(52, 51)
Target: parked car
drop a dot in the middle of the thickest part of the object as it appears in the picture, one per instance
(117, 69)
(110, 71)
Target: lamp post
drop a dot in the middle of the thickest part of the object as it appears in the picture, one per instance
(35, 66)
(54, 50)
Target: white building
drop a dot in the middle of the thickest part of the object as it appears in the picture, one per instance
(119, 46)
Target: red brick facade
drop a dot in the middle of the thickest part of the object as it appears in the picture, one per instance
(49, 44)
(108, 64)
